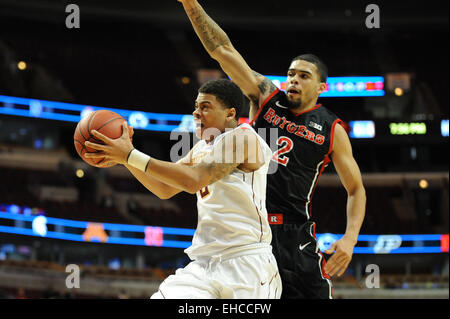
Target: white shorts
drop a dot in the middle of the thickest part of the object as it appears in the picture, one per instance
(249, 276)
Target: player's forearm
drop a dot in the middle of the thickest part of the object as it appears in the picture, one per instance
(356, 207)
(176, 175)
(160, 189)
(209, 33)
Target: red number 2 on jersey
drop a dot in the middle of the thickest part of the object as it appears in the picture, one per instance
(287, 147)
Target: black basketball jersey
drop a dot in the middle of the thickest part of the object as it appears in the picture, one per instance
(304, 144)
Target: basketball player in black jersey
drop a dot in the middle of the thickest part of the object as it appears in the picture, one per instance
(309, 137)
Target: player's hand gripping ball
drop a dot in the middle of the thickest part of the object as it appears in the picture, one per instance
(106, 122)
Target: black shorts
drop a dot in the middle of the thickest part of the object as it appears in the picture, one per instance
(300, 262)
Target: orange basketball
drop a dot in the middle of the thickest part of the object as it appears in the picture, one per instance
(106, 122)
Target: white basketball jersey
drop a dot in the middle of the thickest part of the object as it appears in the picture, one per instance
(232, 211)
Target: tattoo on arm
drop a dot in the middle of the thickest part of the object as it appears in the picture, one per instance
(216, 171)
(266, 86)
(225, 157)
(211, 35)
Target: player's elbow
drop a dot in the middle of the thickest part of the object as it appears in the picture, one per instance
(164, 195)
(195, 184)
(221, 52)
(192, 189)
(358, 191)
(363, 193)
(191, 185)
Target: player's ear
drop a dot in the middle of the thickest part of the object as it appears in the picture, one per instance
(231, 113)
(322, 87)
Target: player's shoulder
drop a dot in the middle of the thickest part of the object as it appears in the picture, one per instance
(242, 130)
(326, 111)
(245, 128)
(187, 159)
(277, 98)
(247, 134)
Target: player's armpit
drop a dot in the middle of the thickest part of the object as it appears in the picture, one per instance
(266, 88)
(187, 159)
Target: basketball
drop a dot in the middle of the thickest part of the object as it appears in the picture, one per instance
(106, 122)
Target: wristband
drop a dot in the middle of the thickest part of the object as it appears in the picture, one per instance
(138, 160)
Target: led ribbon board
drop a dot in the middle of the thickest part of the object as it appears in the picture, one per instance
(408, 128)
(343, 86)
(362, 129)
(60, 111)
(108, 233)
(69, 112)
(444, 128)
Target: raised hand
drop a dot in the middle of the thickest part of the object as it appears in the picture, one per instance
(114, 150)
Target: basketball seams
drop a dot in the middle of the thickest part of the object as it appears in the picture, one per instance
(106, 123)
(81, 132)
(82, 145)
(89, 122)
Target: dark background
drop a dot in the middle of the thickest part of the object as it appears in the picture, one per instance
(135, 54)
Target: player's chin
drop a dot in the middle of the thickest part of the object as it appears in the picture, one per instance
(198, 133)
(294, 99)
(294, 103)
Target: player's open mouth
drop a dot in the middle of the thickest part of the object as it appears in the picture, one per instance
(292, 92)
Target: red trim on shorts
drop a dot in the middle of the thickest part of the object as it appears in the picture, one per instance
(324, 262)
(262, 105)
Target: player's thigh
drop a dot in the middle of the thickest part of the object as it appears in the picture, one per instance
(251, 277)
(190, 282)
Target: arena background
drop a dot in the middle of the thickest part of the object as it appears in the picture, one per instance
(144, 56)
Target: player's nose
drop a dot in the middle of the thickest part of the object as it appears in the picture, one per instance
(294, 80)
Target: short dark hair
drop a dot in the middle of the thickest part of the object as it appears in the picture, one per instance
(226, 92)
(321, 67)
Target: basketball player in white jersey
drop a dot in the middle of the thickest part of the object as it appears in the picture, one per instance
(230, 252)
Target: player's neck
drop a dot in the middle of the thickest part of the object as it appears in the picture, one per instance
(232, 126)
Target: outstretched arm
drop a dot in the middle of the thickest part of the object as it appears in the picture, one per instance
(160, 189)
(226, 156)
(216, 42)
(350, 176)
